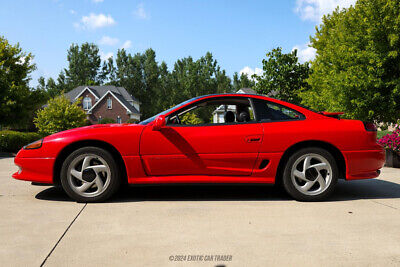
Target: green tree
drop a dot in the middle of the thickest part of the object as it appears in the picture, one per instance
(242, 81)
(283, 76)
(17, 99)
(357, 67)
(139, 75)
(59, 115)
(107, 74)
(192, 78)
(164, 99)
(51, 87)
(83, 65)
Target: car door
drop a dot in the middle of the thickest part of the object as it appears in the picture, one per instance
(218, 149)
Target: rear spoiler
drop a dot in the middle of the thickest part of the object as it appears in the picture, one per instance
(331, 114)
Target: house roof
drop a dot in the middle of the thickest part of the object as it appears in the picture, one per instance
(247, 91)
(100, 91)
(130, 108)
(126, 104)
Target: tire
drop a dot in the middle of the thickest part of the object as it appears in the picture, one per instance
(312, 183)
(90, 174)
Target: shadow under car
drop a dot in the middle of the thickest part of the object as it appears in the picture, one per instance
(345, 190)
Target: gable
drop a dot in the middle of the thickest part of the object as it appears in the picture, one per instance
(117, 98)
(102, 104)
(86, 90)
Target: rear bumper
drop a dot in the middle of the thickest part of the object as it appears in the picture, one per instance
(38, 170)
(363, 164)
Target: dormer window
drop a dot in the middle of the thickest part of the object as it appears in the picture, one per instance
(87, 103)
(109, 103)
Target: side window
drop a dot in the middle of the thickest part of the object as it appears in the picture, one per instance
(214, 111)
(269, 111)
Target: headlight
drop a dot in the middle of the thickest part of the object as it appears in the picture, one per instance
(35, 145)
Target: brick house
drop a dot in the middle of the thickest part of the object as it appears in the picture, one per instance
(106, 102)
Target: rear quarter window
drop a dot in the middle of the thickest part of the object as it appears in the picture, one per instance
(269, 111)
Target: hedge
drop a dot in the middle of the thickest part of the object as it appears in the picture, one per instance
(132, 121)
(12, 141)
(106, 121)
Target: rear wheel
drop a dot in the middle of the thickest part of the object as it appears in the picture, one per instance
(90, 174)
(310, 174)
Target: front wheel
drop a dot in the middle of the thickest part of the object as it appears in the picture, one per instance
(310, 174)
(90, 174)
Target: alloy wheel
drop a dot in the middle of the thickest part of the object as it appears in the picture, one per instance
(311, 174)
(89, 175)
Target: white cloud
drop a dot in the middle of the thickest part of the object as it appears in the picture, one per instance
(73, 12)
(127, 44)
(21, 60)
(97, 1)
(249, 71)
(94, 21)
(105, 56)
(140, 12)
(107, 40)
(305, 52)
(314, 9)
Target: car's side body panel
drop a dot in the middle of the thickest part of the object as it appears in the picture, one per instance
(212, 154)
(201, 150)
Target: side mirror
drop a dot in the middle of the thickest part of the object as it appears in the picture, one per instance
(159, 123)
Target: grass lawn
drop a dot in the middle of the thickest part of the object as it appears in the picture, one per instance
(382, 133)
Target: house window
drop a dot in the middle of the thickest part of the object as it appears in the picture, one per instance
(109, 103)
(119, 120)
(87, 103)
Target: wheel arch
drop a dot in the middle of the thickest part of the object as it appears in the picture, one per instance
(63, 154)
(336, 153)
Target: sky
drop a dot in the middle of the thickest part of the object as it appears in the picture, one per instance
(237, 33)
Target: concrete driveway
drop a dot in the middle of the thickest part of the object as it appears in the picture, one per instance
(200, 226)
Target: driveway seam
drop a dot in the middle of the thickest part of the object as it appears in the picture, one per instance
(384, 204)
(59, 240)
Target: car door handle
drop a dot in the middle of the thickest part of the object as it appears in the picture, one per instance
(253, 139)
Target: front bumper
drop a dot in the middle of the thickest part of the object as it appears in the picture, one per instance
(363, 164)
(38, 170)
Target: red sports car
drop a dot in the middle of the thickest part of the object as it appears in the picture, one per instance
(225, 138)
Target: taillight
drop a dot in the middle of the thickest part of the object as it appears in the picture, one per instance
(370, 126)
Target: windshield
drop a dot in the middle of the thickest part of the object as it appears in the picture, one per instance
(147, 121)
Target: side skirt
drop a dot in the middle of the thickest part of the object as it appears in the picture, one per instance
(202, 179)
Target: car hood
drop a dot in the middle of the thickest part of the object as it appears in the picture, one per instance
(89, 128)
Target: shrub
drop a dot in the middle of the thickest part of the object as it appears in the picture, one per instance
(391, 140)
(191, 118)
(12, 141)
(106, 121)
(59, 115)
